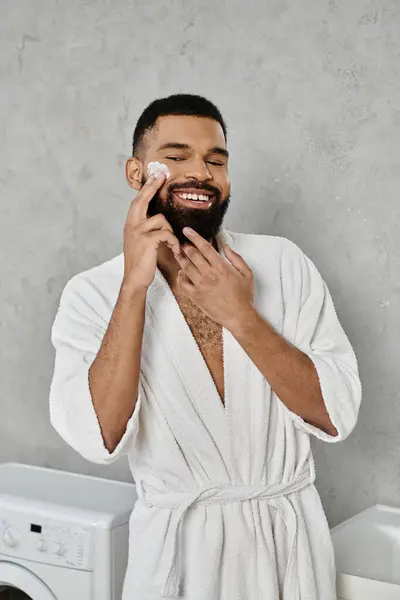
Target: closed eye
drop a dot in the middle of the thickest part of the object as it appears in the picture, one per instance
(180, 158)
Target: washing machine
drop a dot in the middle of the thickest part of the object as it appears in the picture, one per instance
(63, 536)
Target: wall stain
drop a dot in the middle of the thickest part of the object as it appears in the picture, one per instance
(27, 37)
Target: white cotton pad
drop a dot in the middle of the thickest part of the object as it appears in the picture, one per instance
(155, 168)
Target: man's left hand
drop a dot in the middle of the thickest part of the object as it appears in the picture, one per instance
(223, 290)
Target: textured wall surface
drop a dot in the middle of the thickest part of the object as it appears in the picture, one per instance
(311, 94)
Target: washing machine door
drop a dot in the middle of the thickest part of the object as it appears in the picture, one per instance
(25, 581)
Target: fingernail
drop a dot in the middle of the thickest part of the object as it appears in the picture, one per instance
(160, 175)
(187, 230)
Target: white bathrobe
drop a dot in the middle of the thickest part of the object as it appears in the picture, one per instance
(227, 507)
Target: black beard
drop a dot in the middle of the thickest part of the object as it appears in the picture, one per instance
(207, 222)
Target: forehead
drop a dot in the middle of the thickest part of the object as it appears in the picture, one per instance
(199, 132)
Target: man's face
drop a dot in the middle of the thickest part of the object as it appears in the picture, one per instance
(194, 150)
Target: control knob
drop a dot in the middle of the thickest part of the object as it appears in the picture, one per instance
(10, 538)
(41, 545)
(59, 549)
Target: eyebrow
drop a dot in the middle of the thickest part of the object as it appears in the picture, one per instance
(177, 146)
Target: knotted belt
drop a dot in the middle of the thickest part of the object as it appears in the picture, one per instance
(220, 494)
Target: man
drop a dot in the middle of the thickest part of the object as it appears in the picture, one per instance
(210, 365)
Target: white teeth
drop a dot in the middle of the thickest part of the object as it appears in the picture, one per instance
(195, 197)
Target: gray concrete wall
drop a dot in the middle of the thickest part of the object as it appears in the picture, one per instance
(311, 94)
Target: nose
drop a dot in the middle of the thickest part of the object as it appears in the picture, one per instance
(197, 169)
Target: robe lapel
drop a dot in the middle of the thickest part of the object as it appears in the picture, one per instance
(194, 410)
(246, 402)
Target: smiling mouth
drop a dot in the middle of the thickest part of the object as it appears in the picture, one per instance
(194, 200)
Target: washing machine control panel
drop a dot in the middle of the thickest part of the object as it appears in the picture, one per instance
(45, 540)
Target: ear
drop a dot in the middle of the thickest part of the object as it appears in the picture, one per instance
(134, 173)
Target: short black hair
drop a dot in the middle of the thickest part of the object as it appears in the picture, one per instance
(178, 104)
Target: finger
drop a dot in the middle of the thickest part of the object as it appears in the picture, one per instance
(184, 284)
(196, 258)
(153, 223)
(138, 208)
(189, 269)
(204, 247)
(237, 261)
(167, 237)
(157, 221)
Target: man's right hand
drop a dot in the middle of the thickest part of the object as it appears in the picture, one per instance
(142, 237)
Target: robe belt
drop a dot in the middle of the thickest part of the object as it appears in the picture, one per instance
(224, 494)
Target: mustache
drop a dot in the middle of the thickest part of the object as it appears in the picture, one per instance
(194, 185)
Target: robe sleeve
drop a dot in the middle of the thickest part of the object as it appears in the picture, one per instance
(320, 335)
(76, 335)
